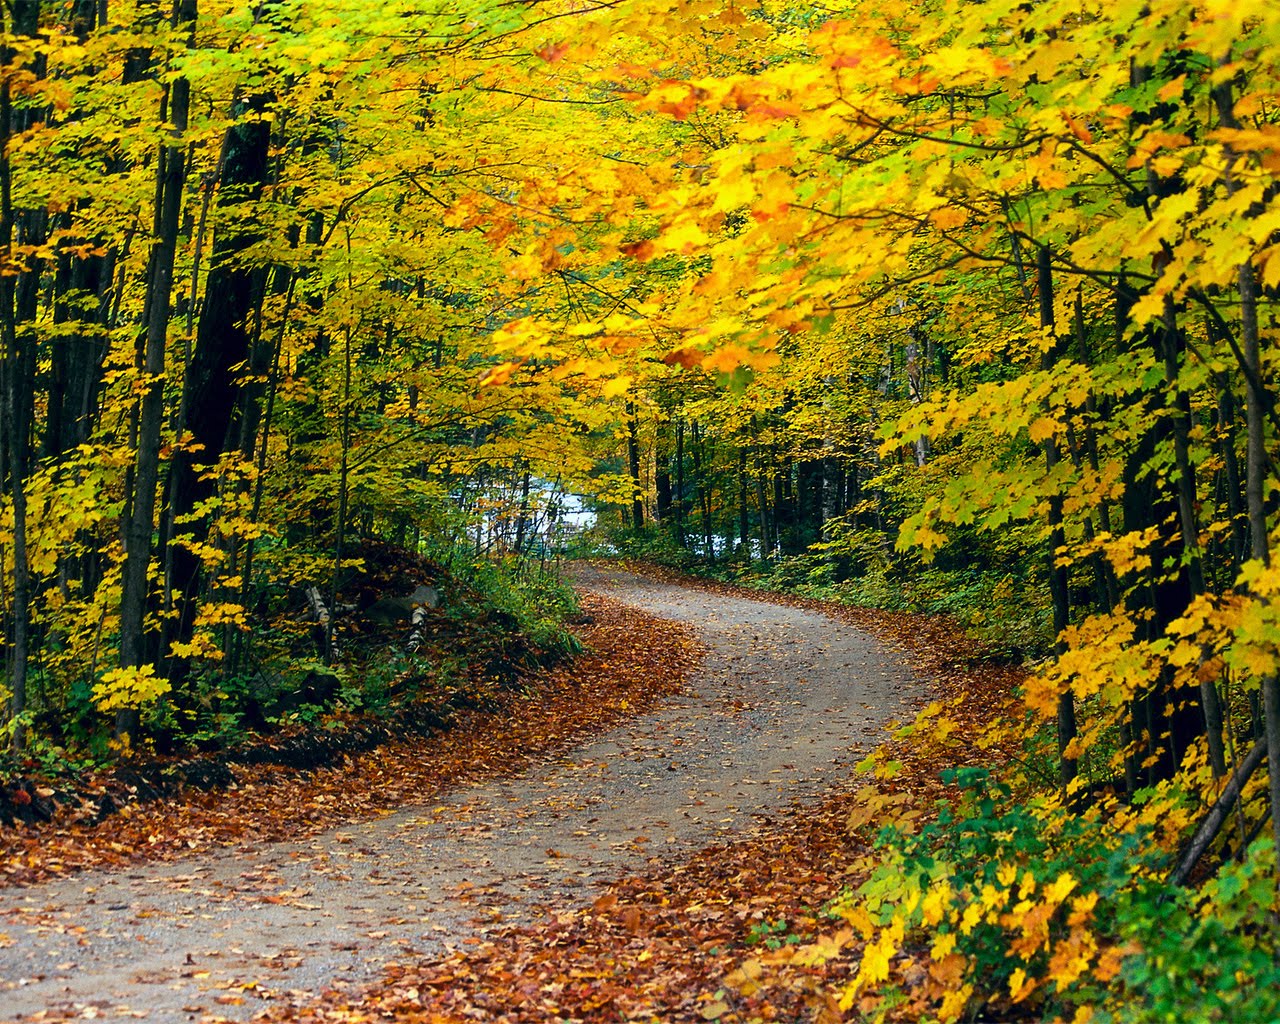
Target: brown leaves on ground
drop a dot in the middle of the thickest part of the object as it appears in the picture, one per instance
(665, 946)
(632, 660)
(737, 933)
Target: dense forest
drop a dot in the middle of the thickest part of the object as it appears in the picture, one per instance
(958, 306)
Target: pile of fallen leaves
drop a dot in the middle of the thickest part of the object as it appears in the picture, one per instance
(631, 661)
(738, 933)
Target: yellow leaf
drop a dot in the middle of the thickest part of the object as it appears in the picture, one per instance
(1171, 89)
(948, 217)
(683, 236)
(1051, 180)
(1058, 890)
(130, 687)
(876, 957)
(498, 376)
(1042, 429)
(1271, 268)
(615, 387)
(954, 1003)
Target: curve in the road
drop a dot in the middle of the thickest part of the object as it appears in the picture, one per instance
(781, 702)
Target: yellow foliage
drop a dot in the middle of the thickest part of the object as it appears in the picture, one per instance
(874, 967)
(935, 903)
(955, 1002)
(132, 687)
(1071, 958)
(226, 613)
(202, 645)
(1020, 986)
(1058, 890)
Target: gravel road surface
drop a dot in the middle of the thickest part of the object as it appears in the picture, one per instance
(784, 700)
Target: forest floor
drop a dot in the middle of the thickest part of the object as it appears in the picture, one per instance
(640, 839)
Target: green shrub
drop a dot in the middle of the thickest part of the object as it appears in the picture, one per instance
(1005, 905)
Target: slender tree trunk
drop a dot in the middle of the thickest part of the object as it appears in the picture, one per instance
(14, 427)
(762, 502)
(744, 536)
(1058, 582)
(1231, 470)
(633, 466)
(916, 387)
(662, 511)
(344, 469)
(1171, 349)
(140, 525)
(522, 519)
(1255, 497)
(259, 483)
(781, 510)
(680, 506)
(703, 493)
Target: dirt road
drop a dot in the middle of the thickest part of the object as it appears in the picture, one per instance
(783, 701)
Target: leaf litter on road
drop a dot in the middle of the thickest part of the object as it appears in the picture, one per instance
(632, 660)
(735, 932)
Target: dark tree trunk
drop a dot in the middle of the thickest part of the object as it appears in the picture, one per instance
(762, 502)
(703, 490)
(1256, 466)
(138, 529)
(1163, 723)
(1058, 582)
(662, 475)
(744, 536)
(633, 466)
(13, 429)
(1171, 345)
(681, 506)
(225, 341)
(522, 519)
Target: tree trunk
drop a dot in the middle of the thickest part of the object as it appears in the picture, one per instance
(1226, 432)
(522, 518)
(1171, 345)
(1255, 496)
(1058, 582)
(680, 505)
(703, 492)
(744, 536)
(14, 454)
(633, 466)
(662, 474)
(141, 521)
(762, 502)
(223, 345)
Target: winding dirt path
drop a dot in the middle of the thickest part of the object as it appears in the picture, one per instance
(783, 701)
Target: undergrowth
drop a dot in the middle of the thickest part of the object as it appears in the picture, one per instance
(1004, 897)
(496, 619)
